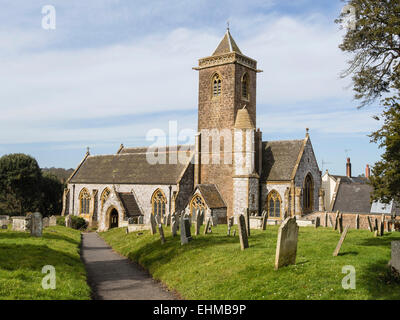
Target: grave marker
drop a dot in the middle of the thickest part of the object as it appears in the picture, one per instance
(53, 221)
(153, 224)
(339, 245)
(286, 247)
(36, 225)
(357, 223)
(244, 241)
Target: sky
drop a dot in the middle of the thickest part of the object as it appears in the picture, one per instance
(113, 70)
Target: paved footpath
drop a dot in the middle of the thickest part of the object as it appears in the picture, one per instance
(114, 277)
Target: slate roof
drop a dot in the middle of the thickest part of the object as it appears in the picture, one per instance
(130, 166)
(347, 179)
(211, 196)
(129, 202)
(279, 159)
(353, 197)
(227, 45)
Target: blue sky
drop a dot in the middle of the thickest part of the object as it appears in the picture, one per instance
(113, 70)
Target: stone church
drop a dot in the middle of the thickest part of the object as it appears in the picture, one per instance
(229, 169)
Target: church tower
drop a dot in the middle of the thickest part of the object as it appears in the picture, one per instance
(227, 84)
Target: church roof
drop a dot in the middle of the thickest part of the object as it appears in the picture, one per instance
(243, 120)
(129, 202)
(227, 45)
(129, 167)
(211, 196)
(279, 159)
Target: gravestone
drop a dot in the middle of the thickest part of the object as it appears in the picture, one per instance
(153, 224)
(336, 220)
(244, 241)
(382, 228)
(46, 222)
(185, 231)
(36, 225)
(357, 223)
(247, 220)
(208, 225)
(339, 245)
(340, 223)
(168, 219)
(140, 219)
(161, 231)
(376, 226)
(395, 257)
(264, 220)
(330, 220)
(326, 220)
(174, 224)
(230, 224)
(20, 223)
(370, 224)
(197, 224)
(53, 221)
(68, 221)
(389, 226)
(286, 247)
(317, 222)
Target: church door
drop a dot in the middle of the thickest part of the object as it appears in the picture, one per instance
(308, 194)
(114, 219)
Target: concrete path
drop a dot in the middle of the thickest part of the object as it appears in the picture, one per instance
(114, 277)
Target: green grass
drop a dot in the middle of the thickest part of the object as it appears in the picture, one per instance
(213, 266)
(22, 258)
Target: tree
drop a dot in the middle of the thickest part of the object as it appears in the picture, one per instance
(20, 183)
(386, 173)
(375, 45)
(375, 70)
(51, 194)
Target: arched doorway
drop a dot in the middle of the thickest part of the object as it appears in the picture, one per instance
(113, 218)
(308, 194)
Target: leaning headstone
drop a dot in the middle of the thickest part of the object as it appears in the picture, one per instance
(208, 225)
(36, 225)
(317, 222)
(68, 221)
(395, 258)
(264, 220)
(357, 222)
(339, 245)
(161, 231)
(244, 241)
(46, 222)
(370, 228)
(326, 220)
(53, 221)
(340, 220)
(336, 220)
(286, 247)
(330, 220)
(247, 220)
(153, 224)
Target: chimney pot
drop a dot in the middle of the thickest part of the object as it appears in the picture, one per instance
(367, 171)
(348, 168)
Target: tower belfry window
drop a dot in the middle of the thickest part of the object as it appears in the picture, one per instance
(216, 85)
(245, 86)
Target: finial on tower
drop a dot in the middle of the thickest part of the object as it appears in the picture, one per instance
(307, 134)
(87, 150)
(227, 25)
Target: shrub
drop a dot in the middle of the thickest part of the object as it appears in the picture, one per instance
(78, 223)
(61, 221)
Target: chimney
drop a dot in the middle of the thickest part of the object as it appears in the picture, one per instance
(348, 168)
(367, 171)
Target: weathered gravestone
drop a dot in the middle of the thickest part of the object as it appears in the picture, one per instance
(376, 226)
(326, 220)
(140, 219)
(286, 247)
(153, 224)
(20, 223)
(36, 225)
(317, 222)
(382, 229)
(53, 221)
(340, 220)
(230, 224)
(185, 231)
(336, 220)
(264, 220)
(244, 241)
(339, 245)
(174, 224)
(357, 222)
(46, 222)
(330, 220)
(395, 258)
(161, 231)
(247, 220)
(68, 221)
(208, 225)
(197, 223)
(370, 228)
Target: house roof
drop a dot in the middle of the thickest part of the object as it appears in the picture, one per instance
(130, 204)
(279, 159)
(211, 196)
(227, 45)
(346, 179)
(353, 197)
(130, 166)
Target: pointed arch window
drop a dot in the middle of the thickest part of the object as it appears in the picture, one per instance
(216, 85)
(308, 194)
(104, 196)
(245, 86)
(84, 200)
(274, 204)
(197, 203)
(158, 203)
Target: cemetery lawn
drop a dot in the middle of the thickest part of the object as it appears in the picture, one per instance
(22, 258)
(213, 266)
